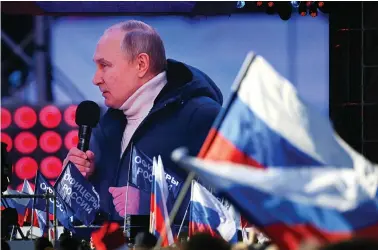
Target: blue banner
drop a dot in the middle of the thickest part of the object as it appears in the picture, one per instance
(63, 212)
(78, 193)
(141, 174)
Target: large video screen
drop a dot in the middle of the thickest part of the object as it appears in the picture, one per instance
(297, 48)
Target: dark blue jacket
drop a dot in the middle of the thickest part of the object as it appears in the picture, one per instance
(182, 115)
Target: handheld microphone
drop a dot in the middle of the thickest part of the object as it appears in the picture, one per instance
(87, 117)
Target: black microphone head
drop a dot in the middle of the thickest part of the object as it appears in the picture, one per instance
(88, 114)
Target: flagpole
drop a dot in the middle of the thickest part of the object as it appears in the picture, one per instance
(54, 217)
(126, 221)
(32, 220)
(47, 215)
(182, 222)
(177, 204)
(32, 210)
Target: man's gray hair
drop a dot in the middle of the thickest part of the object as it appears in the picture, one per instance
(142, 38)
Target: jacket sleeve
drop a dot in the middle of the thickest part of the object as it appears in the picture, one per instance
(200, 124)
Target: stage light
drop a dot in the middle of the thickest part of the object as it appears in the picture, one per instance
(51, 167)
(25, 142)
(302, 9)
(295, 4)
(308, 4)
(26, 168)
(240, 4)
(324, 7)
(71, 139)
(69, 115)
(50, 116)
(313, 10)
(284, 10)
(25, 117)
(270, 9)
(50, 141)
(6, 118)
(8, 140)
(259, 3)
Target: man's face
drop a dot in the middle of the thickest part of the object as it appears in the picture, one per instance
(115, 75)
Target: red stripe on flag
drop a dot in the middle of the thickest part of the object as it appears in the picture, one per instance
(290, 237)
(201, 228)
(109, 236)
(28, 216)
(217, 148)
(160, 225)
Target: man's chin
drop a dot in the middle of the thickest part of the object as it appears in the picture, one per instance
(110, 104)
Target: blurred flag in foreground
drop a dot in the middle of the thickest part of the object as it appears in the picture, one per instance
(207, 214)
(109, 237)
(282, 165)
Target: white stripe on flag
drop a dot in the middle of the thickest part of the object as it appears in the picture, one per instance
(275, 101)
(335, 188)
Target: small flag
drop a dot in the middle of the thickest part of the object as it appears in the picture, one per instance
(159, 219)
(208, 214)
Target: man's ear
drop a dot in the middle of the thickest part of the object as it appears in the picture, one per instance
(142, 64)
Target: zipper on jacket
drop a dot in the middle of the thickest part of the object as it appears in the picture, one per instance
(116, 178)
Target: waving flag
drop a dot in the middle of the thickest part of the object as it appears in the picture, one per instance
(282, 165)
(41, 216)
(63, 211)
(80, 195)
(20, 204)
(159, 220)
(207, 214)
(26, 189)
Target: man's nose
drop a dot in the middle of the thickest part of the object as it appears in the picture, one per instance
(97, 79)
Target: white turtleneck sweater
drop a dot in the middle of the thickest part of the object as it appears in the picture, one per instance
(137, 106)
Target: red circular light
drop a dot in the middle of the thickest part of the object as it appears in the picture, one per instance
(69, 115)
(25, 142)
(50, 116)
(71, 140)
(25, 117)
(6, 139)
(320, 4)
(6, 118)
(50, 141)
(19, 187)
(51, 167)
(26, 168)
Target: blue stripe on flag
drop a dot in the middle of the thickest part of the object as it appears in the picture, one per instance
(252, 136)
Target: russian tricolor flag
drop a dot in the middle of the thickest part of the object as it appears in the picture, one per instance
(20, 204)
(207, 214)
(159, 219)
(282, 165)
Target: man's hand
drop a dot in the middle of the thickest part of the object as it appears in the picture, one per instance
(119, 200)
(83, 161)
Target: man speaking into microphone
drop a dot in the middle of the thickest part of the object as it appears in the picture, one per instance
(154, 105)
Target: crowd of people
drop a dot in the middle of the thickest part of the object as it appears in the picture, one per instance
(200, 241)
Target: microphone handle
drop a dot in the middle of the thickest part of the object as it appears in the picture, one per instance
(83, 144)
(84, 137)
